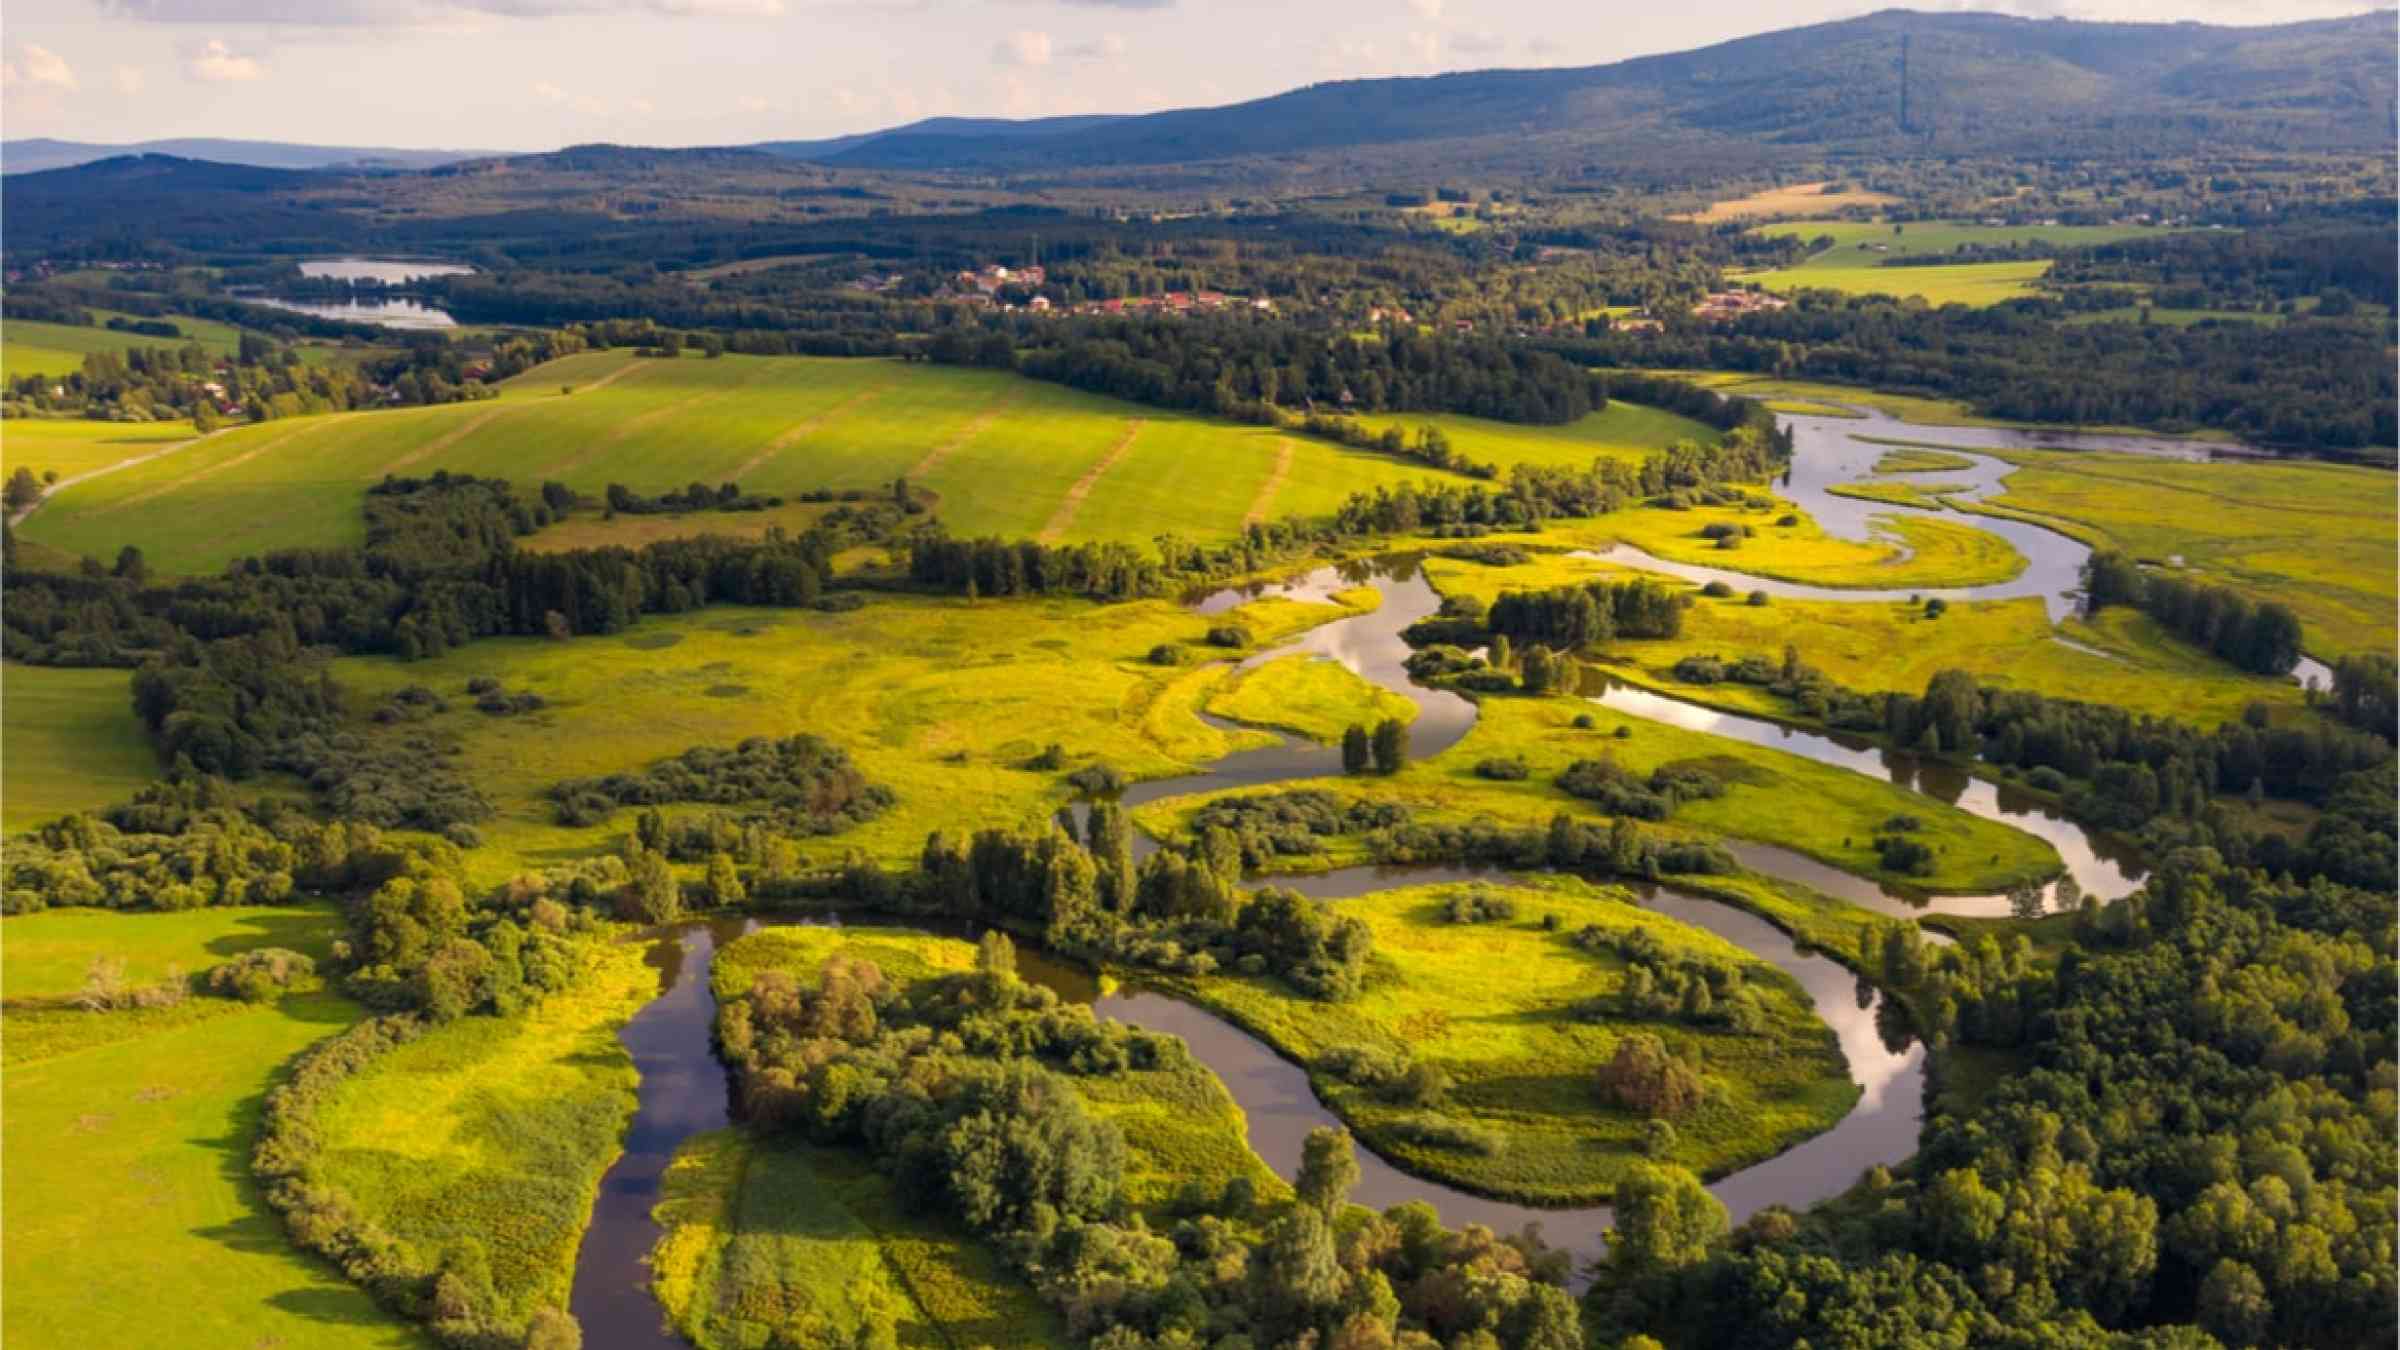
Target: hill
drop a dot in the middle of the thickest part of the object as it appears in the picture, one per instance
(33, 154)
(1973, 82)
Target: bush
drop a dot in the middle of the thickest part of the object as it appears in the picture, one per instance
(1718, 590)
(1758, 599)
(1229, 635)
(258, 976)
(1479, 907)
(1432, 1131)
(1585, 722)
(1166, 654)
(1502, 770)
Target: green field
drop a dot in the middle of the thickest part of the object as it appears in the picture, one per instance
(71, 446)
(1879, 645)
(1497, 1006)
(496, 1129)
(68, 742)
(1936, 284)
(1915, 549)
(2317, 537)
(1626, 431)
(1006, 455)
(941, 699)
(31, 348)
(1843, 811)
(782, 1236)
(1310, 696)
(1921, 496)
(127, 1161)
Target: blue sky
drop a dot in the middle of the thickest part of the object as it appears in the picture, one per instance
(533, 74)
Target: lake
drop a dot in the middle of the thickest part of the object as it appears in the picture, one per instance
(389, 271)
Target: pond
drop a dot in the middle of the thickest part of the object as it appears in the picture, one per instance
(389, 271)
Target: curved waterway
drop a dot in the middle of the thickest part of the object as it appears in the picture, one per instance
(684, 1090)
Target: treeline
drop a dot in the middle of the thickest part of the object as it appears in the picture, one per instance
(2314, 384)
(1238, 367)
(805, 786)
(2200, 1143)
(2262, 637)
(2265, 270)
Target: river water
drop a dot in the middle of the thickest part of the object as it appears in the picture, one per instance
(684, 1090)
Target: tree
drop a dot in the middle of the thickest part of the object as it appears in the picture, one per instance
(2025, 900)
(2233, 1304)
(652, 895)
(1295, 1274)
(1391, 745)
(131, 566)
(22, 491)
(1540, 671)
(1328, 1169)
(1356, 752)
(725, 887)
(553, 1329)
(1499, 653)
(1665, 1221)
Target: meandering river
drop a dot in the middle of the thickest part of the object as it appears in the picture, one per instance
(684, 1088)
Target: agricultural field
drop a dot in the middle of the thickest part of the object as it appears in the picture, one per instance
(71, 742)
(1005, 455)
(1504, 1009)
(32, 348)
(942, 700)
(1792, 199)
(72, 446)
(178, 1247)
(1853, 263)
(1845, 809)
(1873, 645)
(496, 1129)
(1977, 284)
(1622, 431)
(2317, 537)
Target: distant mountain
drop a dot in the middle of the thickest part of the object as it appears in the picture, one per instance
(1972, 83)
(34, 154)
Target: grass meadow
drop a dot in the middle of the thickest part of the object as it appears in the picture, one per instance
(1006, 455)
(33, 348)
(1937, 284)
(1915, 550)
(497, 1129)
(2317, 537)
(1879, 645)
(941, 699)
(1792, 199)
(1308, 695)
(125, 1147)
(1844, 810)
(71, 446)
(68, 742)
(1497, 1006)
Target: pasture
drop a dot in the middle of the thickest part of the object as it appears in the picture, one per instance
(178, 1247)
(1503, 1008)
(33, 348)
(71, 446)
(1309, 696)
(2317, 537)
(1911, 548)
(1853, 262)
(1005, 455)
(68, 742)
(1937, 284)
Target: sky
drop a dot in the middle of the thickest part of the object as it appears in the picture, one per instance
(536, 74)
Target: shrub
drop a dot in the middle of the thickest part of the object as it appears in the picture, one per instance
(1433, 1131)
(1758, 599)
(1502, 770)
(1229, 635)
(1718, 590)
(1166, 654)
(1585, 722)
(258, 976)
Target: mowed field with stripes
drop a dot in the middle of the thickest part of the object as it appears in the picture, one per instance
(1007, 455)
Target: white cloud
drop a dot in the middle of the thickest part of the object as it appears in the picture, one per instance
(1106, 47)
(1426, 46)
(1428, 10)
(217, 63)
(129, 80)
(543, 89)
(755, 104)
(640, 107)
(1478, 42)
(1025, 47)
(41, 68)
(422, 13)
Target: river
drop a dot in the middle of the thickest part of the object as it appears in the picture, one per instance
(684, 1090)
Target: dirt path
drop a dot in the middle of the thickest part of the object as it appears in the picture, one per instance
(792, 434)
(976, 426)
(310, 426)
(1274, 483)
(1065, 515)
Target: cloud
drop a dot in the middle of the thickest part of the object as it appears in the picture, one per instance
(754, 104)
(1426, 46)
(1025, 47)
(543, 89)
(640, 107)
(1478, 42)
(129, 80)
(420, 13)
(1428, 10)
(1106, 47)
(216, 63)
(1121, 4)
(40, 68)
